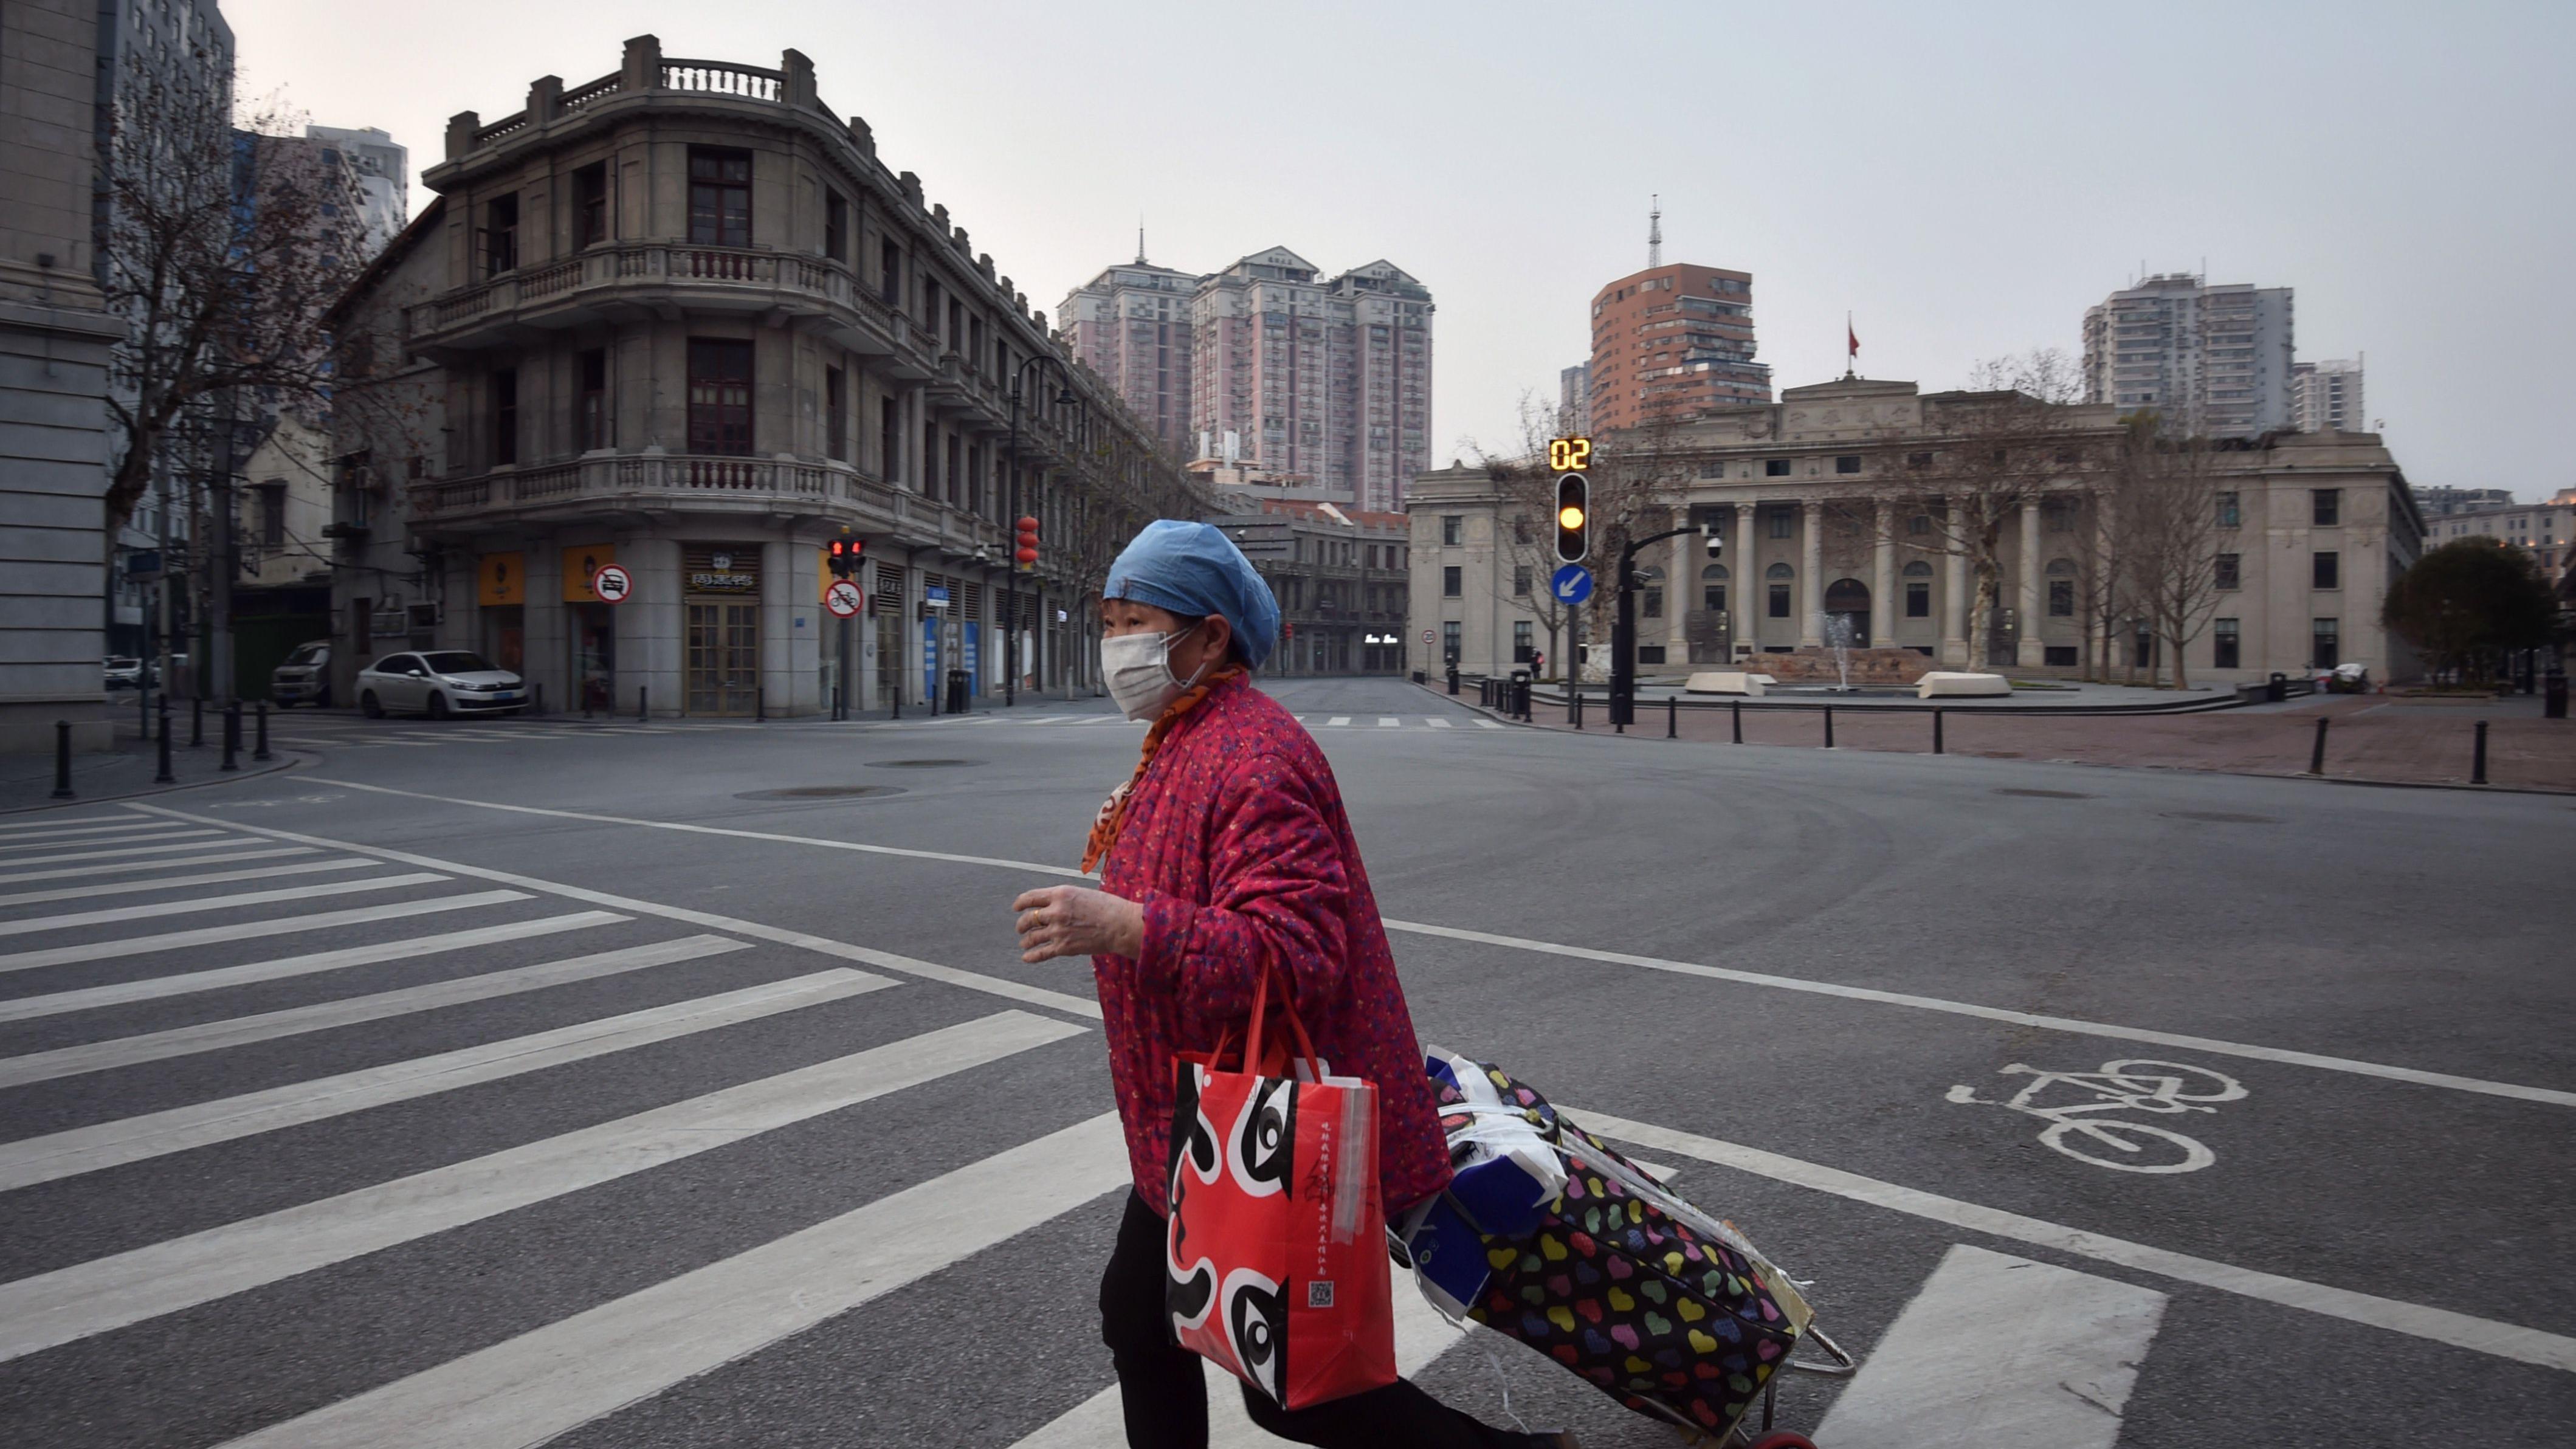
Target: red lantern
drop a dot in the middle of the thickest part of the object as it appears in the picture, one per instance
(1027, 551)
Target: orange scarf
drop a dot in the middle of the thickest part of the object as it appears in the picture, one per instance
(1113, 811)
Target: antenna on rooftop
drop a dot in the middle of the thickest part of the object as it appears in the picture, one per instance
(1655, 233)
(1140, 240)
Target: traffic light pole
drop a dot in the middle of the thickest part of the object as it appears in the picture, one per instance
(1623, 631)
(1011, 577)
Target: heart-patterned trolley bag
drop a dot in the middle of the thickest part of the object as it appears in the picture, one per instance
(1275, 1253)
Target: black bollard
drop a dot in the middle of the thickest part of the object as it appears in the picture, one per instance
(259, 751)
(196, 724)
(1829, 726)
(2478, 761)
(232, 736)
(1735, 709)
(2317, 751)
(165, 777)
(1936, 729)
(760, 705)
(643, 705)
(1673, 718)
(539, 707)
(1574, 711)
(62, 759)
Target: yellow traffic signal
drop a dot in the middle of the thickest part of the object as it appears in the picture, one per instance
(1573, 517)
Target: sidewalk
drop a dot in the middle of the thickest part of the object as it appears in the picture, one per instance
(27, 781)
(2370, 737)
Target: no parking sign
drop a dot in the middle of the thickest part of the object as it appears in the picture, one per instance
(612, 583)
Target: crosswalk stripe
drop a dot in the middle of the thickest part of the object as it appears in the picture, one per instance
(106, 1293)
(1337, 721)
(133, 850)
(1389, 722)
(152, 837)
(124, 993)
(1998, 1352)
(63, 823)
(251, 930)
(139, 825)
(180, 1041)
(213, 903)
(181, 882)
(31, 1160)
(1486, 724)
(1436, 722)
(541, 1384)
(85, 871)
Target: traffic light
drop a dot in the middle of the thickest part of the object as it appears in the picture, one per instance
(1025, 553)
(844, 552)
(1573, 517)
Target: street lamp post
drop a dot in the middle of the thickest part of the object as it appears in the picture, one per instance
(1011, 579)
(1623, 627)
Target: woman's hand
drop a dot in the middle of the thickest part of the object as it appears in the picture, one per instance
(1077, 921)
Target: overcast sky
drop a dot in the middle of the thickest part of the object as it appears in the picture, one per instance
(1963, 178)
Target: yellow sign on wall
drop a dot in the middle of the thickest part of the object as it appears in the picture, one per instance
(501, 578)
(580, 566)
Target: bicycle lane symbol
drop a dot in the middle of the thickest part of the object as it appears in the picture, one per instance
(2085, 1129)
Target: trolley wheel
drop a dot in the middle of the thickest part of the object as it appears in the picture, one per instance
(1782, 1439)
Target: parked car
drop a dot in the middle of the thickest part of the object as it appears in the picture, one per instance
(303, 677)
(124, 671)
(438, 683)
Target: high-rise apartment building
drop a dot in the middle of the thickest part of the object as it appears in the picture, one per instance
(2325, 397)
(2215, 358)
(1574, 397)
(1672, 342)
(381, 170)
(1270, 367)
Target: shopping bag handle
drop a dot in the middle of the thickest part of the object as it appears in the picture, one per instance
(1275, 1055)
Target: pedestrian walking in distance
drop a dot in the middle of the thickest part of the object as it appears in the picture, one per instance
(1226, 855)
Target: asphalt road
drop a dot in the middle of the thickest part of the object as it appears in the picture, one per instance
(479, 1083)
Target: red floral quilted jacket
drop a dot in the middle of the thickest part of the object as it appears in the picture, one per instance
(1237, 847)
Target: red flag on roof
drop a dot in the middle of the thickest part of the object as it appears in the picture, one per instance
(1852, 336)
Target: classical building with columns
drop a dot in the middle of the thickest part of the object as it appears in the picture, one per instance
(681, 319)
(1825, 519)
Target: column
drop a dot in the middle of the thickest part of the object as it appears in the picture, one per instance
(649, 624)
(1744, 592)
(2028, 649)
(1681, 592)
(546, 637)
(1954, 610)
(1811, 564)
(1882, 581)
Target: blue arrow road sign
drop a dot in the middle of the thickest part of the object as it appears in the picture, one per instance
(1572, 583)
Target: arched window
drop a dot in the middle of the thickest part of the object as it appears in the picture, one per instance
(1918, 570)
(2061, 589)
(1778, 604)
(2061, 568)
(1651, 590)
(1712, 588)
(1918, 590)
(1714, 572)
(1780, 571)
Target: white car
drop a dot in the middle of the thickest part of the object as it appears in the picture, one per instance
(438, 683)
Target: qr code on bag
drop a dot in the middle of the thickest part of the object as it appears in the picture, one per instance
(1319, 1293)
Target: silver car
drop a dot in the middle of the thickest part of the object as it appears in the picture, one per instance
(304, 677)
(438, 683)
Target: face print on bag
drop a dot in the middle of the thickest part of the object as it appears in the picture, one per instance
(1256, 1320)
(1261, 1149)
(1189, 1284)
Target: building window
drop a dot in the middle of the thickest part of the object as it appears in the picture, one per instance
(1653, 594)
(2325, 570)
(1775, 467)
(890, 278)
(1918, 601)
(1452, 582)
(590, 204)
(2230, 576)
(1779, 601)
(590, 424)
(2060, 514)
(1449, 641)
(1451, 527)
(1848, 463)
(1919, 524)
(505, 416)
(2230, 515)
(2061, 598)
(1524, 641)
(889, 430)
(836, 227)
(836, 413)
(719, 396)
(2059, 656)
(272, 514)
(1783, 523)
(719, 197)
(2226, 644)
(2325, 643)
(1712, 588)
(1521, 582)
(2325, 507)
(500, 235)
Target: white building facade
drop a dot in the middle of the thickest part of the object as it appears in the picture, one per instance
(2326, 397)
(2215, 358)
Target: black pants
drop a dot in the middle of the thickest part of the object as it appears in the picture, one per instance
(1166, 1399)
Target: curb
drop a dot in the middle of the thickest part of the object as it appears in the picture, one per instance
(286, 760)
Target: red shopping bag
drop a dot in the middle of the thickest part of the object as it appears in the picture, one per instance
(1275, 1263)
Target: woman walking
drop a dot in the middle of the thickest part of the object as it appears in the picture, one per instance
(1224, 857)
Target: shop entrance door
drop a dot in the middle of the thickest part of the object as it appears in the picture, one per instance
(723, 659)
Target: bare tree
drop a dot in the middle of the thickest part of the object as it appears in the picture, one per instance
(2169, 492)
(220, 260)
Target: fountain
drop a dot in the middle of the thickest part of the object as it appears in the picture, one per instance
(1837, 632)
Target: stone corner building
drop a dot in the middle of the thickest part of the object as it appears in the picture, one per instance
(1821, 500)
(682, 319)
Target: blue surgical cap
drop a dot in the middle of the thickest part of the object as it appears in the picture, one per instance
(1195, 570)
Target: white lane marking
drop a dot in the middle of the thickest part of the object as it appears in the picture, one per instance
(31, 1160)
(1437, 723)
(105, 1293)
(1997, 1352)
(126, 992)
(2441, 1325)
(1337, 722)
(63, 825)
(867, 956)
(251, 930)
(172, 883)
(536, 1387)
(86, 871)
(1486, 724)
(1389, 722)
(20, 844)
(178, 1041)
(113, 914)
(54, 834)
(123, 852)
(1099, 1422)
(2071, 1025)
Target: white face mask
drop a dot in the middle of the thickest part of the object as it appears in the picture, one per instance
(1138, 668)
